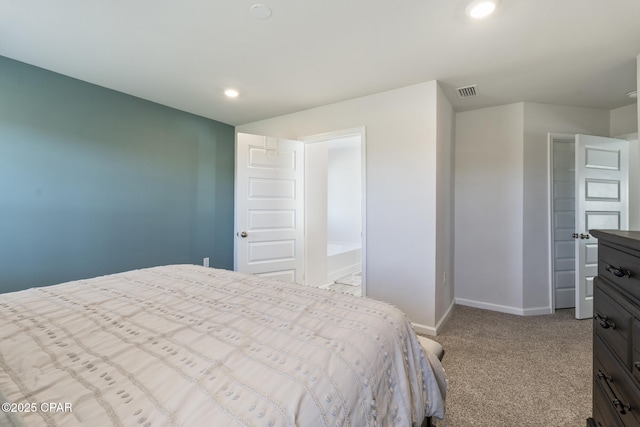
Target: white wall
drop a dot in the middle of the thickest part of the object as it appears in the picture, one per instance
(539, 121)
(634, 153)
(624, 124)
(623, 121)
(634, 184)
(489, 207)
(401, 146)
(315, 190)
(502, 202)
(344, 200)
(445, 278)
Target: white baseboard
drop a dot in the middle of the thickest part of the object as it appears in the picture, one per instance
(537, 311)
(505, 309)
(430, 330)
(424, 329)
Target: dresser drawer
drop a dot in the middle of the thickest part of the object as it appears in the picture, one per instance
(621, 394)
(635, 355)
(620, 268)
(612, 322)
(603, 413)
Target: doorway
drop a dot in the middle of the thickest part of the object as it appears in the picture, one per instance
(588, 189)
(563, 213)
(300, 209)
(334, 207)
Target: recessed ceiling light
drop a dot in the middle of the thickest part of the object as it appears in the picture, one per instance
(231, 93)
(260, 11)
(479, 9)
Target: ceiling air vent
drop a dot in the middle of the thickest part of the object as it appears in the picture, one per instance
(467, 91)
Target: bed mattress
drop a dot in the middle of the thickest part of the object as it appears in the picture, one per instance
(185, 345)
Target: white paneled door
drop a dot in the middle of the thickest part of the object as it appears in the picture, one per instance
(270, 207)
(602, 198)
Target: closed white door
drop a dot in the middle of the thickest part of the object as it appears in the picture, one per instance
(602, 199)
(269, 219)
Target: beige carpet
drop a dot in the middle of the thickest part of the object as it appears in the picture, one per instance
(513, 371)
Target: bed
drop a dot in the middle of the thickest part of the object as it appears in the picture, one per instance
(185, 345)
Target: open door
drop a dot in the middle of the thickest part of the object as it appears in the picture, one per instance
(269, 220)
(602, 202)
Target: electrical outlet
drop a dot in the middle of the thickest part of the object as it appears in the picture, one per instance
(205, 262)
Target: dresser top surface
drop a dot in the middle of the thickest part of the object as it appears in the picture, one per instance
(626, 238)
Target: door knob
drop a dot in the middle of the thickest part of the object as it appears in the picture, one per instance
(242, 234)
(584, 236)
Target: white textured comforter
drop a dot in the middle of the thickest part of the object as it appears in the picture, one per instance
(190, 346)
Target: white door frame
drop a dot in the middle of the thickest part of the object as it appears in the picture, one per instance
(361, 132)
(551, 137)
(550, 141)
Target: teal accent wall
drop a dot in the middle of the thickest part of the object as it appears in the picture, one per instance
(93, 182)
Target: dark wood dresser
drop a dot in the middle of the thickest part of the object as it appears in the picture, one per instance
(616, 330)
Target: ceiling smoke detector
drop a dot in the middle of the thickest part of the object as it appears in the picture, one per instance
(260, 11)
(467, 91)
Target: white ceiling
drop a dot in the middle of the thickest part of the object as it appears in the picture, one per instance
(184, 53)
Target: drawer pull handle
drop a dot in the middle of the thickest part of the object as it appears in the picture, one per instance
(622, 407)
(605, 377)
(618, 271)
(604, 321)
